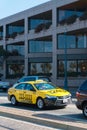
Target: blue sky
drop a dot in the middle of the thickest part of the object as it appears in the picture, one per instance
(10, 7)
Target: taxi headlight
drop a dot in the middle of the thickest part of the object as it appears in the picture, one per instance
(48, 96)
(70, 95)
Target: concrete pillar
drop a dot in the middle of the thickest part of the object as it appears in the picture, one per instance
(26, 45)
(54, 22)
(4, 46)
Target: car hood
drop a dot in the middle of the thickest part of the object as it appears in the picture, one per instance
(55, 92)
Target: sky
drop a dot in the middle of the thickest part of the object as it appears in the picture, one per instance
(10, 7)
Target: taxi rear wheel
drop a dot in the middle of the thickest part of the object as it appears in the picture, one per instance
(13, 100)
(40, 103)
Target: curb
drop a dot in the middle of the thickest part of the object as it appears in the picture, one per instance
(64, 125)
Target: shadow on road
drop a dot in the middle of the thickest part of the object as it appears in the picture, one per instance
(29, 107)
(68, 117)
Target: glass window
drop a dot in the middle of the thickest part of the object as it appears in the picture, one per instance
(29, 87)
(33, 23)
(15, 28)
(80, 41)
(61, 41)
(1, 33)
(70, 40)
(74, 68)
(45, 86)
(82, 67)
(16, 49)
(40, 46)
(71, 68)
(40, 68)
(61, 68)
(20, 86)
(64, 14)
(14, 70)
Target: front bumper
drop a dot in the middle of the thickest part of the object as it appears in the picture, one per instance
(57, 102)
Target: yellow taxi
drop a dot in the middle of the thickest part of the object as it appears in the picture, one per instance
(38, 92)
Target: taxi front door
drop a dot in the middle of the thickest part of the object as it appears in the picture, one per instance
(29, 94)
(19, 92)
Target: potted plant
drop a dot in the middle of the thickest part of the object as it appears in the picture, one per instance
(83, 17)
(71, 19)
(39, 27)
(62, 22)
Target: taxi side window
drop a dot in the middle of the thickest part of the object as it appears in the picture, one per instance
(20, 86)
(29, 87)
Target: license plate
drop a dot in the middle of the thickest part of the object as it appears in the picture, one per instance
(65, 100)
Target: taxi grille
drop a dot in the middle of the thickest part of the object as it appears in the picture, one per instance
(63, 97)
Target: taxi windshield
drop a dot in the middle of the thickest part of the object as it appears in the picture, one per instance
(44, 86)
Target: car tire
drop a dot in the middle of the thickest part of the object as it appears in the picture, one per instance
(85, 110)
(13, 100)
(40, 103)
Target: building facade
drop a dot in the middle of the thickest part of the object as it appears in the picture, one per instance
(49, 39)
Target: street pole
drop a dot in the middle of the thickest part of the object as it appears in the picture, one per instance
(65, 63)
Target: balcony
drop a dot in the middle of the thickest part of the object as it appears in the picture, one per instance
(73, 23)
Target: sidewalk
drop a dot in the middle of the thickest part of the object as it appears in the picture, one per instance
(44, 119)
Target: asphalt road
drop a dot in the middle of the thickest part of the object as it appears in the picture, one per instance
(13, 124)
(70, 112)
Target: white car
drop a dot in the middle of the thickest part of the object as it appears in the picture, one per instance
(4, 85)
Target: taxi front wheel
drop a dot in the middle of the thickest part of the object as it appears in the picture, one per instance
(40, 103)
(13, 100)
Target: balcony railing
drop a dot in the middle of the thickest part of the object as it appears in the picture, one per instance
(14, 34)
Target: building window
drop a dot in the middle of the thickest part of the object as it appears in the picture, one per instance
(72, 41)
(63, 39)
(40, 68)
(1, 70)
(16, 49)
(80, 41)
(40, 19)
(33, 23)
(82, 67)
(71, 68)
(1, 32)
(15, 70)
(39, 46)
(64, 14)
(75, 68)
(15, 28)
